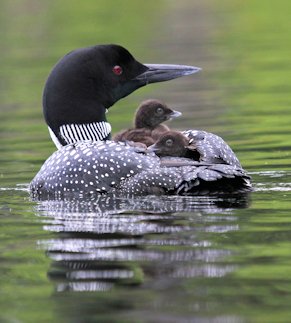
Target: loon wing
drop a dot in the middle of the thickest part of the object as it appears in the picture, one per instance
(212, 148)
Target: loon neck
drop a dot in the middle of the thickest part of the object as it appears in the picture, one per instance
(73, 133)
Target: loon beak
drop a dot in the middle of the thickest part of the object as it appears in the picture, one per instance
(175, 114)
(165, 72)
(152, 148)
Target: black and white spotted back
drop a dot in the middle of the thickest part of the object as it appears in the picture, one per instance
(212, 148)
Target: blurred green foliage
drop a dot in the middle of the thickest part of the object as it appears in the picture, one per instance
(255, 76)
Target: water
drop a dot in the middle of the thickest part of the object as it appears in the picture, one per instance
(206, 258)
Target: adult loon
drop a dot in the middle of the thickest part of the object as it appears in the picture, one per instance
(77, 94)
(148, 123)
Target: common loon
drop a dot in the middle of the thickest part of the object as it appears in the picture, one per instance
(78, 92)
(148, 123)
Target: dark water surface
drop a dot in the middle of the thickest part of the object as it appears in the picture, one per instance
(223, 258)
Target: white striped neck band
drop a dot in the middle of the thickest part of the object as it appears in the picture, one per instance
(72, 133)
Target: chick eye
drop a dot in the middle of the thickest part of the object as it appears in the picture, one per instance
(117, 70)
(159, 110)
(169, 142)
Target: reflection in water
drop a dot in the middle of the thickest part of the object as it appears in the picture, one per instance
(276, 181)
(109, 241)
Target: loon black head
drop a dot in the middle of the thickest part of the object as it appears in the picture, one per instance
(153, 112)
(175, 144)
(87, 81)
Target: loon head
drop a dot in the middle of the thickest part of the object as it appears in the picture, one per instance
(153, 112)
(88, 81)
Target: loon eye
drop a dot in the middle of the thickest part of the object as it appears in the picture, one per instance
(169, 142)
(117, 70)
(159, 110)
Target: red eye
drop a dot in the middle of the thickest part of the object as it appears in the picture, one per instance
(117, 70)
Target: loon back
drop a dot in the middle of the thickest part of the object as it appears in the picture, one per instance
(110, 167)
(212, 148)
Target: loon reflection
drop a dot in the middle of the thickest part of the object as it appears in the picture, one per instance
(107, 241)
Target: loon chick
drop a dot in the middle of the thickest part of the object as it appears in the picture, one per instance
(174, 144)
(197, 145)
(148, 123)
(78, 92)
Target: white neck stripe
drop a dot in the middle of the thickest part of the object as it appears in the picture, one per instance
(96, 131)
(86, 131)
(68, 134)
(55, 139)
